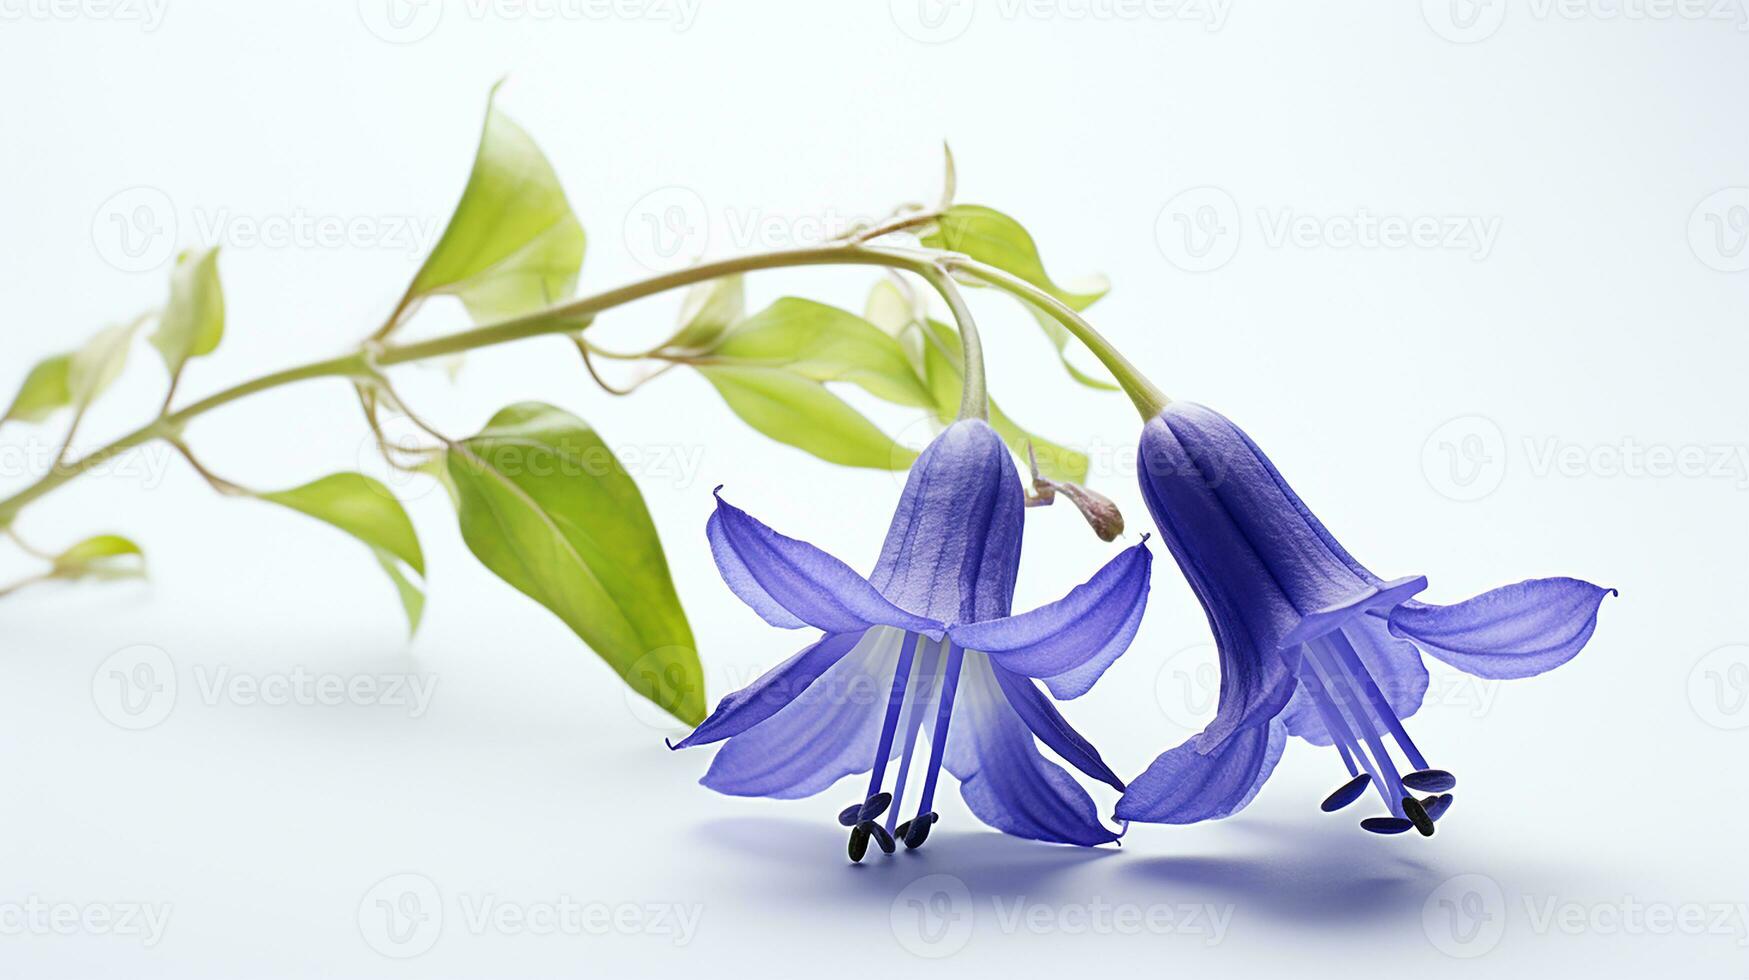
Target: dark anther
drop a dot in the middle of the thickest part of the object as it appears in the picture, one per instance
(1430, 781)
(1345, 794)
(1418, 815)
(1436, 805)
(1385, 825)
(884, 839)
(874, 806)
(858, 842)
(848, 815)
(915, 832)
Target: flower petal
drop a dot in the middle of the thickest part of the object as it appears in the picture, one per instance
(773, 690)
(793, 584)
(1514, 631)
(1004, 778)
(953, 549)
(1185, 785)
(1072, 641)
(1394, 664)
(1051, 728)
(826, 733)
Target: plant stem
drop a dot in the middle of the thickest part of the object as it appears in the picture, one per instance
(974, 402)
(1148, 399)
(569, 317)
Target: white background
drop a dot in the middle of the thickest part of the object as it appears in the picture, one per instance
(1604, 324)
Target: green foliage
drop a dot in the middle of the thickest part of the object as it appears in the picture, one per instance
(103, 556)
(545, 504)
(193, 321)
(365, 509)
(800, 412)
(513, 244)
(996, 239)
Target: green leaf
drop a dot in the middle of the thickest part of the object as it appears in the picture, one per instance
(44, 391)
(365, 509)
(895, 313)
(798, 412)
(75, 379)
(944, 369)
(996, 239)
(546, 506)
(824, 343)
(104, 556)
(193, 321)
(513, 244)
(95, 366)
(710, 309)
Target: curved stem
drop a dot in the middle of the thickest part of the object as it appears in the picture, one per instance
(559, 319)
(1148, 399)
(974, 402)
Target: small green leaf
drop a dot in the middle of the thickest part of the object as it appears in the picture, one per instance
(513, 244)
(193, 321)
(824, 343)
(710, 309)
(104, 556)
(944, 369)
(896, 314)
(43, 393)
(76, 379)
(996, 239)
(546, 506)
(95, 366)
(802, 413)
(365, 509)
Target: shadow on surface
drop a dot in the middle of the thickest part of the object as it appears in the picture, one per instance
(806, 861)
(1304, 872)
